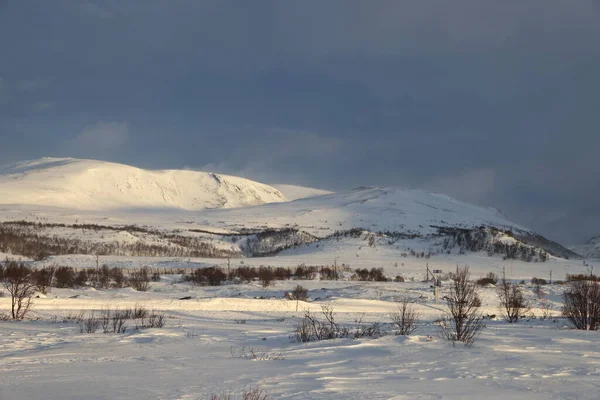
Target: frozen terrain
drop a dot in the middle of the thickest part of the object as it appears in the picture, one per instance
(107, 213)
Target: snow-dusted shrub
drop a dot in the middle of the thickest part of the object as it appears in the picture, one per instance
(405, 318)
(464, 322)
(582, 304)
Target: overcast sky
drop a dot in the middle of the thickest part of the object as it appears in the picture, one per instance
(493, 102)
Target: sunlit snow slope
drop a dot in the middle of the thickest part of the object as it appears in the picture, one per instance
(373, 208)
(99, 185)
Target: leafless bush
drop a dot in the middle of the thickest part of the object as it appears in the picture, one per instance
(464, 321)
(266, 276)
(138, 311)
(43, 279)
(546, 308)
(140, 280)
(489, 279)
(582, 304)
(64, 277)
(250, 394)
(250, 353)
(90, 324)
(311, 328)
(405, 319)
(299, 293)
(362, 330)
(513, 305)
(117, 276)
(20, 285)
(156, 320)
(211, 276)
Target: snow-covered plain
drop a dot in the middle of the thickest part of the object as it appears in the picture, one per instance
(199, 351)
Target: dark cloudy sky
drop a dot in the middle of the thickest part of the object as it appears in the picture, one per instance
(493, 102)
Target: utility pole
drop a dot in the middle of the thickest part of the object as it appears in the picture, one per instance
(335, 268)
(551, 276)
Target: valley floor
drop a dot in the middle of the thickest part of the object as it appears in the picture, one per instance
(200, 350)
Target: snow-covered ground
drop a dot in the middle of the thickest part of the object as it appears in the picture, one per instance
(200, 350)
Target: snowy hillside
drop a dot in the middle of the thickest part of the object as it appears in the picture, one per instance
(99, 185)
(292, 192)
(591, 249)
(372, 208)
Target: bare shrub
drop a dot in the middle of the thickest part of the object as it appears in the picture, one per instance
(20, 285)
(399, 278)
(81, 278)
(250, 353)
(138, 311)
(90, 324)
(513, 305)
(117, 276)
(266, 276)
(405, 319)
(211, 276)
(156, 320)
(250, 394)
(311, 328)
(464, 322)
(299, 293)
(140, 280)
(306, 273)
(366, 330)
(582, 304)
(489, 279)
(329, 274)
(43, 279)
(64, 277)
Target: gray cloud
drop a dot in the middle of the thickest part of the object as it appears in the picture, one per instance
(491, 102)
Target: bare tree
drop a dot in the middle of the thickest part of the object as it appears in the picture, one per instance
(464, 322)
(405, 319)
(18, 281)
(582, 304)
(513, 305)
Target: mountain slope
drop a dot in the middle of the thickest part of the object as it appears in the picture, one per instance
(591, 249)
(292, 192)
(373, 208)
(99, 185)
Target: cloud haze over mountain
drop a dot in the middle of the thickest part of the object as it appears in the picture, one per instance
(491, 102)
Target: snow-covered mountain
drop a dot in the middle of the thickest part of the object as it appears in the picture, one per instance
(373, 208)
(74, 191)
(99, 185)
(591, 249)
(292, 192)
